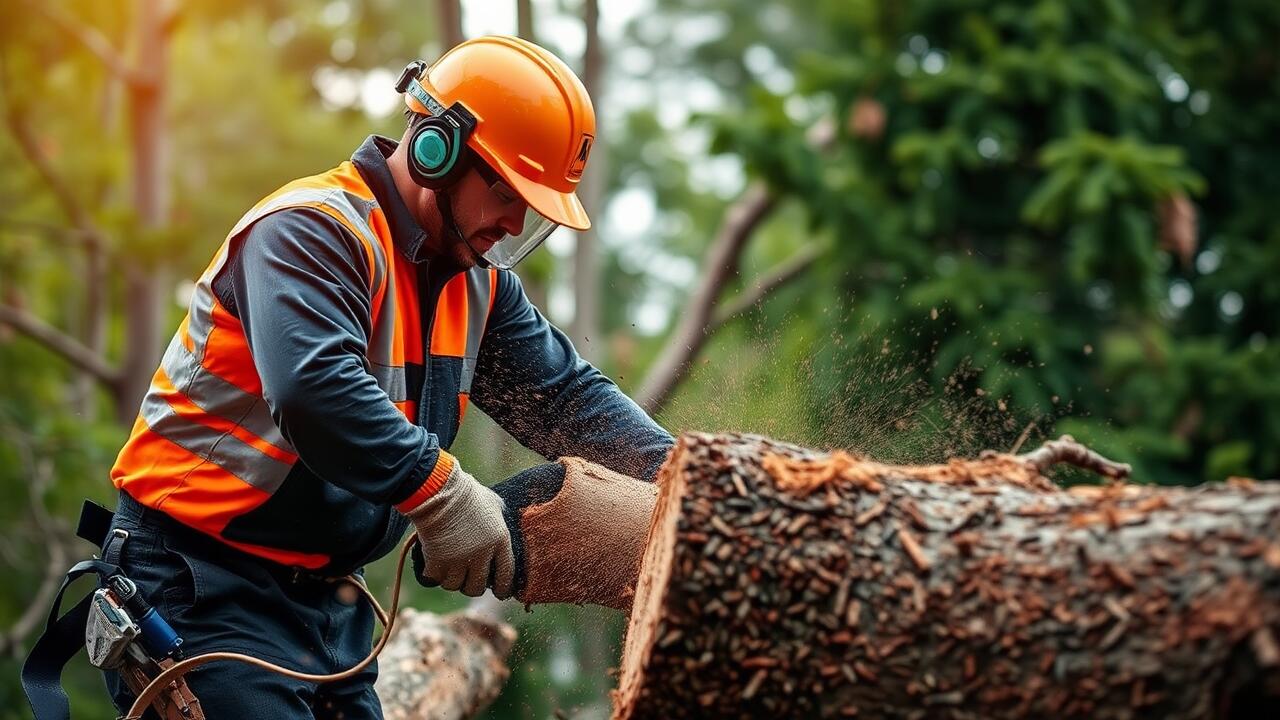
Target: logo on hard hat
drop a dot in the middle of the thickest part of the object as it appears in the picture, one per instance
(580, 162)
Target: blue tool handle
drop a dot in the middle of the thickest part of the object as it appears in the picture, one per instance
(158, 636)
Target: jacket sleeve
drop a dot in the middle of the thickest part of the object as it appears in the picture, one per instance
(300, 282)
(533, 383)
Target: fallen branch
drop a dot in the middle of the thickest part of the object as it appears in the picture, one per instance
(1066, 450)
(442, 667)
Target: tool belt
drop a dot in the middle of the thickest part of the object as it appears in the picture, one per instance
(117, 627)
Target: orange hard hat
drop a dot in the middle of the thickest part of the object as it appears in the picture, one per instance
(534, 120)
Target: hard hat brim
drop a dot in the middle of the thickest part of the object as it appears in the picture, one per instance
(559, 207)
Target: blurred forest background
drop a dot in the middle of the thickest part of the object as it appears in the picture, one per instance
(914, 229)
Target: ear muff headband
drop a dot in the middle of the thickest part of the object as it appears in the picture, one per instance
(436, 157)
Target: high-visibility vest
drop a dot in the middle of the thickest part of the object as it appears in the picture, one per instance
(204, 448)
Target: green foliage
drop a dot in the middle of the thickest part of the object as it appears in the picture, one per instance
(1004, 233)
(1032, 270)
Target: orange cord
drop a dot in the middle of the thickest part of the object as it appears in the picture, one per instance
(177, 670)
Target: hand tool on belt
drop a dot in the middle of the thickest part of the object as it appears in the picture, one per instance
(121, 631)
(116, 625)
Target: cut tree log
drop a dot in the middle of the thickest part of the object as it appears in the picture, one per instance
(783, 582)
(442, 667)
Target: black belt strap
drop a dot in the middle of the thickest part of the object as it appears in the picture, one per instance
(64, 636)
(95, 523)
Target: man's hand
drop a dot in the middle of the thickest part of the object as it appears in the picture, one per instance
(464, 538)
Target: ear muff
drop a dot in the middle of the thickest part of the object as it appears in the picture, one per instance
(437, 146)
(436, 156)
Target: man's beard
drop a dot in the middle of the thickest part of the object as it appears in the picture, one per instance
(463, 255)
(473, 247)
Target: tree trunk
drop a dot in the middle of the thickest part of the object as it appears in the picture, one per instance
(449, 14)
(145, 282)
(585, 330)
(524, 20)
(782, 582)
(446, 667)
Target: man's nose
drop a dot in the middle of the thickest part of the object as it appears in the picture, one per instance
(512, 221)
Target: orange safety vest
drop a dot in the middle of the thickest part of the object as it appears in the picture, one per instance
(205, 449)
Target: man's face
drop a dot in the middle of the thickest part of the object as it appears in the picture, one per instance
(484, 214)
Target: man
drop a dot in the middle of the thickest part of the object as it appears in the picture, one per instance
(301, 418)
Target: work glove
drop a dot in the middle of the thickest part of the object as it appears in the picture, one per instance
(465, 542)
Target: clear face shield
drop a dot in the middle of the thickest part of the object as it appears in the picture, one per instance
(511, 249)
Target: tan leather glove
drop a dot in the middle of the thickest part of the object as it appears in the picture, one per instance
(464, 538)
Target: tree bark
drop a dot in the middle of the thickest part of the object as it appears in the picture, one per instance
(446, 667)
(783, 582)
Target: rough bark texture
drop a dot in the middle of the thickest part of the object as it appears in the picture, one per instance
(783, 582)
(442, 667)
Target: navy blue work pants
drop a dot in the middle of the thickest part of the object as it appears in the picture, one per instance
(220, 599)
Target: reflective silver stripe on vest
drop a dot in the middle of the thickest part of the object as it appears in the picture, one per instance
(219, 397)
(353, 208)
(224, 450)
(357, 211)
(478, 284)
(200, 313)
(381, 343)
(391, 379)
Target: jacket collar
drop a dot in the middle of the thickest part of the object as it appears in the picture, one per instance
(370, 160)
